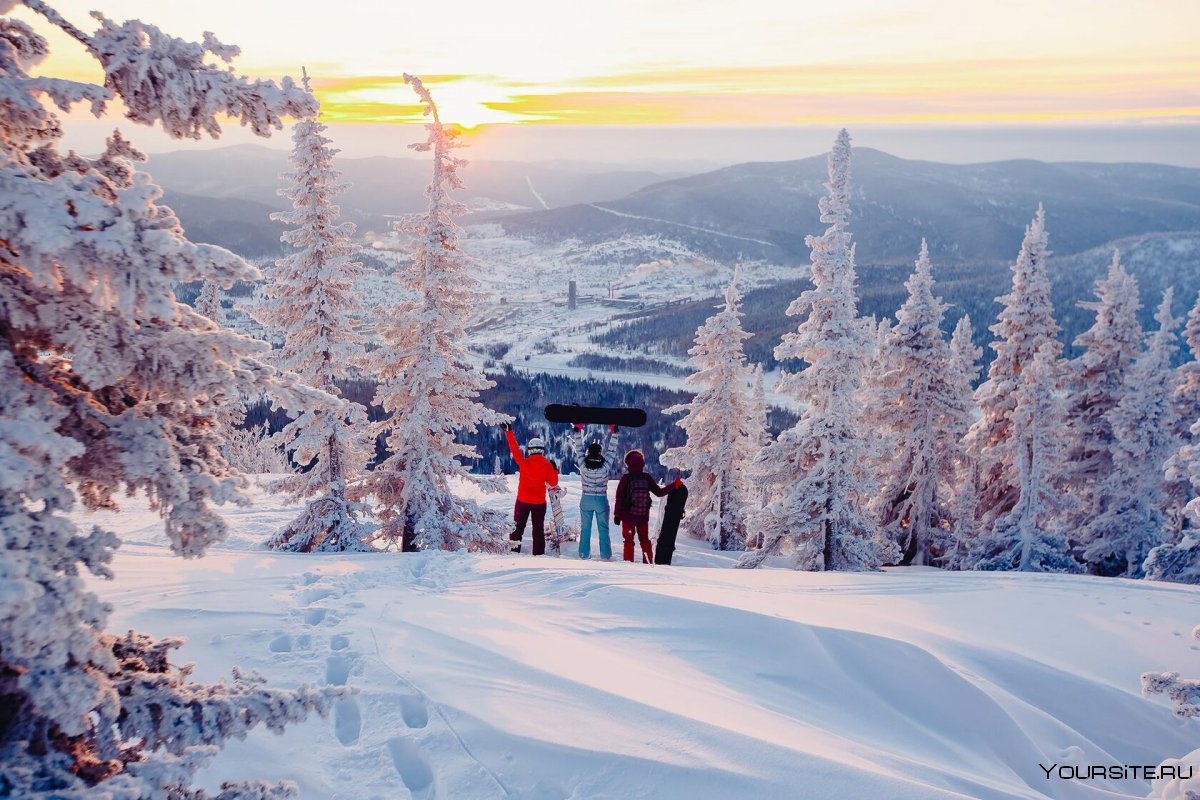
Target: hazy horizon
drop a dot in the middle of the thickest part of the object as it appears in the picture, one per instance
(714, 146)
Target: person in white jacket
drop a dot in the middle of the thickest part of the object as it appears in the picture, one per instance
(595, 462)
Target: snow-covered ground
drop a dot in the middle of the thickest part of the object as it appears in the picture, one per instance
(555, 678)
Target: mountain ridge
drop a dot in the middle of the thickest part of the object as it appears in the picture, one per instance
(965, 212)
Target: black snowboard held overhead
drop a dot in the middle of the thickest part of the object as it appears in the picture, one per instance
(591, 415)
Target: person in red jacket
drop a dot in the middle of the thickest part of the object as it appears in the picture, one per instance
(632, 509)
(537, 472)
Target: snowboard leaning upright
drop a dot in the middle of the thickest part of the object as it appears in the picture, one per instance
(558, 519)
(593, 415)
(672, 515)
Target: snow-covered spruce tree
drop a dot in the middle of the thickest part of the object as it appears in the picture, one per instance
(254, 450)
(758, 409)
(917, 407)
(1025, 536)
(722, 439)
(1026, 324)
(963, 538)
(1179, 560)
(1187, 390)
(878, 442)
(962, 370)
(428, 388)
(208, 302)
(760, 419)
(1132, 520)
(1187, 412)
(1096, 382)
(309, 299)
(108, 385)
(818, 493)
(1184, 693)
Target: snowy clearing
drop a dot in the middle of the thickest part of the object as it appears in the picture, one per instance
(505, 676)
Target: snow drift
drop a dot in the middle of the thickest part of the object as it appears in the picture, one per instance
(505, 676)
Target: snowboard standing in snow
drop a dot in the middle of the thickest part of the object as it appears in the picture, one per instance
(672, 515)
(558, 519)
(593, 415)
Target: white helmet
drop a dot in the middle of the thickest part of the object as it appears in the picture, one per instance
(536, 445)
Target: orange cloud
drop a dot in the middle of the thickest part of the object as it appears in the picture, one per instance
(1034, 90)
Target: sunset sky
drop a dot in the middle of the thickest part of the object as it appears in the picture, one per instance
(712, 62)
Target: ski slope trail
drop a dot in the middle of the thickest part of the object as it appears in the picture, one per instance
(534, 192)
(555, 678)
(680, 225)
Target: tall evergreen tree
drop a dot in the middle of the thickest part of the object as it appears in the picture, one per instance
(1132, 521)
(758, 409)
(1179, 559)
(917, 406)
(1026, 537)
(1096, 382)
(962, 370)
(722, 433)
(818, 493)
(428, 389)
(209, 302)
(1187, 413)
(110, 387)
(1025, 326)
(309, 299)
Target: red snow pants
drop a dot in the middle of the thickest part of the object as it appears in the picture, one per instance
(643, 533)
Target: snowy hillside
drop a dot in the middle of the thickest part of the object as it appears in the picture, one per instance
(967, 212)
(505, 676)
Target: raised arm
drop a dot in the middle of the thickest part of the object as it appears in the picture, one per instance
(579, 445)
(514, 448)
(610, 445)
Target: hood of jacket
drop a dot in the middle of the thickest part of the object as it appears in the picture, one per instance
(635, 461)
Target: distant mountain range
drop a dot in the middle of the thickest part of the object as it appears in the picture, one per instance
(247, 177)
(973, 217)
(966, 212)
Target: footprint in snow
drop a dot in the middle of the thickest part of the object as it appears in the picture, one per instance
(347, 720)
(414, 711)
(337, 670)
(313, 595)
(412, 768)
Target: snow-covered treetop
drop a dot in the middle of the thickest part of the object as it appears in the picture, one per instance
(719, 340)
(963, 363)
(1116, 335)
(920, 317)
(1027, 318)
(441, 140)
(311, 291)
(1192, 329)
(1161, 344)
(835, 206)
